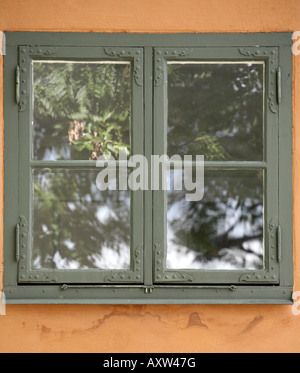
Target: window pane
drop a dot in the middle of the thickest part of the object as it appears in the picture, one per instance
(77, 226)
(81, 110)
(216, 110)
(224, 230)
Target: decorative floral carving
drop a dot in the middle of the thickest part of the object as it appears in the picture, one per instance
(25, 274)
(136, 54)
(159, 74)
(271, 273)
(22, 82)
(41, 51)
(128, 275)
(248, 53)
(168, 276)
(272, 105)
(271, 54)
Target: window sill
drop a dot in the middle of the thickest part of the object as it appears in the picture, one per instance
(122, 294)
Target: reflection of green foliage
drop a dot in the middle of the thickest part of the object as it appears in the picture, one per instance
(208, 145)
(66, 222)
(216, 110)
(81, 111)
(84, 105)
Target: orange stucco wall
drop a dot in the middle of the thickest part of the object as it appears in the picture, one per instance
(161, 328)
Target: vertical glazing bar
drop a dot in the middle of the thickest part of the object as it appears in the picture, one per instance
(148, 62)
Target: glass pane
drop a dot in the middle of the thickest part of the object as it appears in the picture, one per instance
(224, 230)
(216, 110)
(81, 110)
(76, 225)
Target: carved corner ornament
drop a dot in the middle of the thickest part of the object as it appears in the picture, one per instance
(22, 240)
(168, 275)
(134, 275)
(22, 81)
(134, 53)
(270, 274)
(271, 54)
(160, 57)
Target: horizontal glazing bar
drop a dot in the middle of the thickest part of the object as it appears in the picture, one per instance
(233, 165)
(221, 165)
(75, 164)
(173, 164)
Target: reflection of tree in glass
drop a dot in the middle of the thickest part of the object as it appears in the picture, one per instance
(74, 222)
(216, 110)
(81, 110)
(227, 225)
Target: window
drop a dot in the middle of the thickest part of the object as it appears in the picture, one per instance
(90, 121)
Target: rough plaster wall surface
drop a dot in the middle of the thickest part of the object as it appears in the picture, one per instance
(161, 328)
(182, 329)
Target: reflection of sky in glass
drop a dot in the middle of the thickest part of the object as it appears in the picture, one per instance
(53, 155)
(236, 218)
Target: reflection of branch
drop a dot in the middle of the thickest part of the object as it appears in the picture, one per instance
(225, 235)
(226, 243)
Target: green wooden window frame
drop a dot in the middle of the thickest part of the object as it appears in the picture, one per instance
(147, 280)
